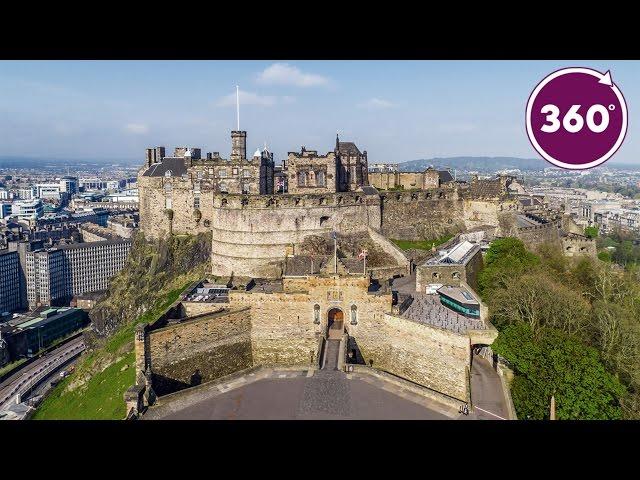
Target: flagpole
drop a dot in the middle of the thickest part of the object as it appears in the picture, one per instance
(365, 265)
(238, 106)
(335, 253)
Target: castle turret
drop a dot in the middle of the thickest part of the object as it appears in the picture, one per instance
(238, 145)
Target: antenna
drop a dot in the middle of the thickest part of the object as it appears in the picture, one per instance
(238, 106)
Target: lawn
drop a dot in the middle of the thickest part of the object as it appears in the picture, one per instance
(101, 398)
(422, 244)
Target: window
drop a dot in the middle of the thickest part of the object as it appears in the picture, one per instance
(435, 275)
(302, 179)
(320, 179)
(196, 201)
(456, 275)
(222, 172)
(235, 170)
(223, 188)
(246, 173)
(199, 175)
(167, 173)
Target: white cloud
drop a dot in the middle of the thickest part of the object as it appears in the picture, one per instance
(285, 74)
(247, 98)
(136, 128)
(377, 104)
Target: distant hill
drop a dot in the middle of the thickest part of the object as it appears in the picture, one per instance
(475, 163)
(36, 162)
(491, 164)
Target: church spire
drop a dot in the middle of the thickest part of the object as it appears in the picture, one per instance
(337, 142)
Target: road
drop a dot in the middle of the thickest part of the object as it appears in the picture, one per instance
(487, 395)
(40, 370)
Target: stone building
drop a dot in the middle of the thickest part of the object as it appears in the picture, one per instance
(238, 174)
(343, 170)
(392, 180)
(458, 264)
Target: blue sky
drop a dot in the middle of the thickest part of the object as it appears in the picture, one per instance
(396, 110)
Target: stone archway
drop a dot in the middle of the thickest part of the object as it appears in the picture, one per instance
(335, 324)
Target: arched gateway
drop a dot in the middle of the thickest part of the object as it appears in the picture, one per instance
(335, 324)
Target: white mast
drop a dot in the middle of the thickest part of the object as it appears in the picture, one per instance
(238, 106)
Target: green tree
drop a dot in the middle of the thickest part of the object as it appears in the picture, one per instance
(506, 258)
(605, 256)
(591, 232)
(555, 363)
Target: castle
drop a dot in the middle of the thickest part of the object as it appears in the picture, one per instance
(255, 226)
(270, 301)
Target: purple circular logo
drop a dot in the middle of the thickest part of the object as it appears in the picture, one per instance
(576, 118)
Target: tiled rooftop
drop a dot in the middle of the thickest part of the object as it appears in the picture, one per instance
(427, 309)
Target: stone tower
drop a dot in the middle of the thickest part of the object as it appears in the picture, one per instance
(238, 145)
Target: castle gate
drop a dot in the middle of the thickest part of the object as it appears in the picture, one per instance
(335, 324)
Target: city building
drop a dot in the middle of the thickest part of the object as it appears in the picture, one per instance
(56, 275)
(5, 209)
(88, 184)
(27, 210)
(9, 281)
(25, 337)
(383, 167)
(49, 191)
(69, 185)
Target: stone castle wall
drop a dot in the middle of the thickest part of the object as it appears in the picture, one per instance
(251, 238)
(199, 350)
(429, 356)
(536, 235)
(431, 213)
(281, 329)
(574, 245)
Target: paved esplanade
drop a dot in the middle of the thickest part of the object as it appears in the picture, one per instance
(300, 395)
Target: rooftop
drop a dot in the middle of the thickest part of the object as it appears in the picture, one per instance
(459, 254)
(459, 294)
(427, 309)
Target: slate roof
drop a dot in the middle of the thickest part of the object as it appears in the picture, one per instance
(369, 190)
(301, 265)
(175, 164)
(346, 148)
(445, 176)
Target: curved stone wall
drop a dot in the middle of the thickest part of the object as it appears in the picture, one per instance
(251, 234)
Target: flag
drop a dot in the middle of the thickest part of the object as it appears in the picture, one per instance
(363, 254)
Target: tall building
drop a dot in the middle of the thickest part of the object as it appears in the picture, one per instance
(69, 185)
(9, 281)
(55, 275)
(28, 210)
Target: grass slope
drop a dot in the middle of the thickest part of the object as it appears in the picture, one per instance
(101, 396)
